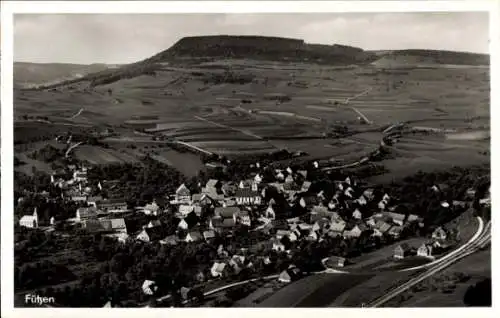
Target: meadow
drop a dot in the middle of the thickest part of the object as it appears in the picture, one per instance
(290, 108)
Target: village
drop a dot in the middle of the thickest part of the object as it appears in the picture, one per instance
(347, 212)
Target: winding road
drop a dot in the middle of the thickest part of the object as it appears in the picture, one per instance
(480, 240)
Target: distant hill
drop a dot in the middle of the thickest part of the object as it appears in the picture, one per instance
(260, 47)
(209, 48)
(27, 74)
(429, 57)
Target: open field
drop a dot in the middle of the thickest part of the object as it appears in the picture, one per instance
(98, 155)
(368, 290)
(283, 101)
(314, 291)
(187, 163)
(446, 289)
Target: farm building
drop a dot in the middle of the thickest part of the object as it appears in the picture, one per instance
(425, 250)
(182, 194)
(336, 261)
(85, 213)
(395, 231)
(30, 221)
(220, 224)
(149, 287)
(227, 212)
(218, 269)
(356, 231)
(401, 251)
(248, 196)
(193, 237)
(150, 234)
(112, 205)
(291, 274)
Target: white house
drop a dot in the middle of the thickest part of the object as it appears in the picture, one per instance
(30, 221)
(357, 214)
(149, 287)
(425, 250)
(217, 269)
(270, 214)
(183, 225)
(182, 194)
(151, 209)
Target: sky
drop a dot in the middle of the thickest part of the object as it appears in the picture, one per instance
(127, 38)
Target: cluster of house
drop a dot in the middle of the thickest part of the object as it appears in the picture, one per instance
(439, 242)
(342, 209)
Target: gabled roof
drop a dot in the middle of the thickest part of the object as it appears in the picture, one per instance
(118, 224)
(337, 226)
(396, 230)
(212, 183)
(382, 226)
(182, 190)
(218, 267)
(87, 212)
(305, 186)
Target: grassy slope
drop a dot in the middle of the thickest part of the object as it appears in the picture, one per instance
(36, 73)
(477, 266)
(178, 95)
(314, 291)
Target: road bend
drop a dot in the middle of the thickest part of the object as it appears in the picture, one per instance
(480, 241)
